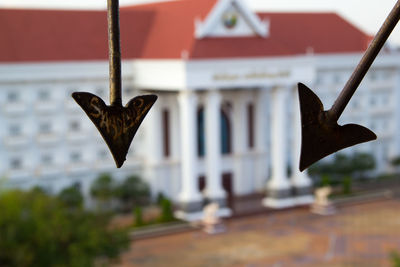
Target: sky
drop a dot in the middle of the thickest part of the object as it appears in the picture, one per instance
(365, 14)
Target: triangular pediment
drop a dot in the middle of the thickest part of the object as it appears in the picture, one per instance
(231, 18)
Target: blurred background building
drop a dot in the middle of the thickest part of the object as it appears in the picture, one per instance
(226, 123)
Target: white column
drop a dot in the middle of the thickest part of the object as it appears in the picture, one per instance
(214, 189)
(174, 129)
(239, 134)
(261, 137)
(300, 180)
(153, 135)
(189, 195)
(279, 186)
(153, 153)
(279, 179)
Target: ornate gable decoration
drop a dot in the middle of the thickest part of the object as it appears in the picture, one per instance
(231, 18)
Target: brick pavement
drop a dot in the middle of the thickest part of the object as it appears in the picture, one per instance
(360, 235)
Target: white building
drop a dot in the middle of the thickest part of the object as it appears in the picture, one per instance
(227, 117)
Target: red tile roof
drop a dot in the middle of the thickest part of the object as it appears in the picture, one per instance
(164, 30)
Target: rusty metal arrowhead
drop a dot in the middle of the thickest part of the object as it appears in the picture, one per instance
(322, 135)
(117, 124)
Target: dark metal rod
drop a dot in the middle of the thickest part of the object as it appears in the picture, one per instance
(114, 50)
(365, 63)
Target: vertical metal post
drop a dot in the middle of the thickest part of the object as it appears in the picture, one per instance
(114, 52)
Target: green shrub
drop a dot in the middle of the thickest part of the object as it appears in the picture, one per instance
(138, 214)
(342, 165)
(346, 184)
(167, 213)
(325, 180)
(37, 229)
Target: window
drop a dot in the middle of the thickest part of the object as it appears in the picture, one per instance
(386, 75)
(337, 78)
(47, 159)
(75, 157)
(43, 95)
(15, 130)
(103, 154)
(74, 126)
(250, 125)
(16, 163)
(166, 132)
(385, 100)
(12, 96)
(225, 134)
(200, 133)
(372, 101)
(44, 127)
(324, 77)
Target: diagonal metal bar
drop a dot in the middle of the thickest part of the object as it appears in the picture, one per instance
(365, 63)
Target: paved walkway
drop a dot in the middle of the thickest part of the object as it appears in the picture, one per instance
(358, 235)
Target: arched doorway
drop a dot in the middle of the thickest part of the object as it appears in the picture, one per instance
(225, 131)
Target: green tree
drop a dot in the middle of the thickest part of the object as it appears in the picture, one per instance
(132, 192)
(103, 190)
(37, 229)
(346, 184)
(138, 214)
(71, 197)
(167, 213)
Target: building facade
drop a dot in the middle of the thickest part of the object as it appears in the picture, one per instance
(226, 122)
